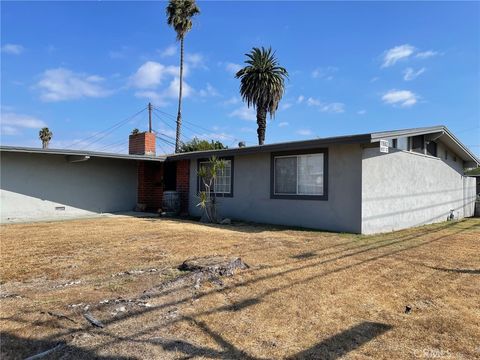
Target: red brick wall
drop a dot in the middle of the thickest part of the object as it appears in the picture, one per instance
(150, 184)
(151, 181)
(183, 184)
(141, 144)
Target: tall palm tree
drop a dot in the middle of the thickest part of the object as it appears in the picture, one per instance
(262, 84)
(45, 135)
(179, 16)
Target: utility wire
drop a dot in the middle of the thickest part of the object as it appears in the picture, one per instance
(195, 125)
(114, 144)
(107, 130)
(170, 126)
(113, 129)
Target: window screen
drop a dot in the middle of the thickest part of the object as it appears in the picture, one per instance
(286, 175)
(223, 181)
(299, 175)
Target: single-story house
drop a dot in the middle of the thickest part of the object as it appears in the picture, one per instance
(365, 183)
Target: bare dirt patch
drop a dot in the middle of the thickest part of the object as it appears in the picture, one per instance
(305, 295)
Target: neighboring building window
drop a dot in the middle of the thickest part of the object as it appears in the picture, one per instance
(394, 143)
(299, 175)
(432, 148)
(402, 143)
(223, 184)
(446, 154)
(418, 144)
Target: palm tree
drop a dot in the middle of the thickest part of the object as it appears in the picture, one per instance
(45, 135)
(179, 16)
(262, 84)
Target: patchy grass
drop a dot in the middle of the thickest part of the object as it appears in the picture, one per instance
(307, 294)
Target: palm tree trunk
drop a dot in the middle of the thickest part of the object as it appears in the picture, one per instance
(179, 114)
(262, 124)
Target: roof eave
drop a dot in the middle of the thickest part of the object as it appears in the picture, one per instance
(91, 154)
(294, 145)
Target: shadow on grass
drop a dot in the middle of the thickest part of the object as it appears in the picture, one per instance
(242, 226)
(458, 271)
(341, 344)
(14, 347)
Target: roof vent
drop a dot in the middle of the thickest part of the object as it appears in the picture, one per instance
(241, 144)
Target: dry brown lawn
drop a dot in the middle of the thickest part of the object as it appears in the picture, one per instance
(307, 294)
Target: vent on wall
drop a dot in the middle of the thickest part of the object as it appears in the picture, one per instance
(60, 208)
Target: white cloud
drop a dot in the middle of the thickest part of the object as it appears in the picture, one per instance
(335, 107)
(324, 73)
(313, 102)
(232, 67)
(300, 99)
(162, 97)
(232, 101)
(247, 130)
(151, 74)
(361, 112)
(208, 91)
(153, 96)
(63, 84)
(402, 98)
(283, 124)
(426, 54)
(304, 132)
(195, 60)
(375, 78)
(397, 53)
(13, 49)
(12, 123)
(174, 87)
(244, 113)
(285, 106)
(410, 74)
(150, 77)
(168, 51)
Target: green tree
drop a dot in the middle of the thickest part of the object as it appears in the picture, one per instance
(179, 16)
(198, 145)
(45, 135)
(262, 84)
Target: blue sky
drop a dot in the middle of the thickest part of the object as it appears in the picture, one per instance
(82, 67)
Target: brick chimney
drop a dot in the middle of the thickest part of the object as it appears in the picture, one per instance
(141, 144)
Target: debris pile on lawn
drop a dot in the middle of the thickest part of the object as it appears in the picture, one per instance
(201, 269)
(213, 265)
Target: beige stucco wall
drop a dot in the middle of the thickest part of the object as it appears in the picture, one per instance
(402, 189)
(38, 186)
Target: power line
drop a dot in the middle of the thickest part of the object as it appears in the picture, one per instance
(115, 128)
(114, 144)
(197, 126)
(170, 126)
(107, 130)
(164, 140)
(192, 131)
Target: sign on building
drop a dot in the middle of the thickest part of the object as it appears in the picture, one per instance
(384, 146)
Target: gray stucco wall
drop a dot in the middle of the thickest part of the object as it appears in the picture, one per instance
(403, 189)
(251, 195)
(32, 185)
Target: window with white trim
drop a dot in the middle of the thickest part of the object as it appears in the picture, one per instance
(299, 175)
(223, 181)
